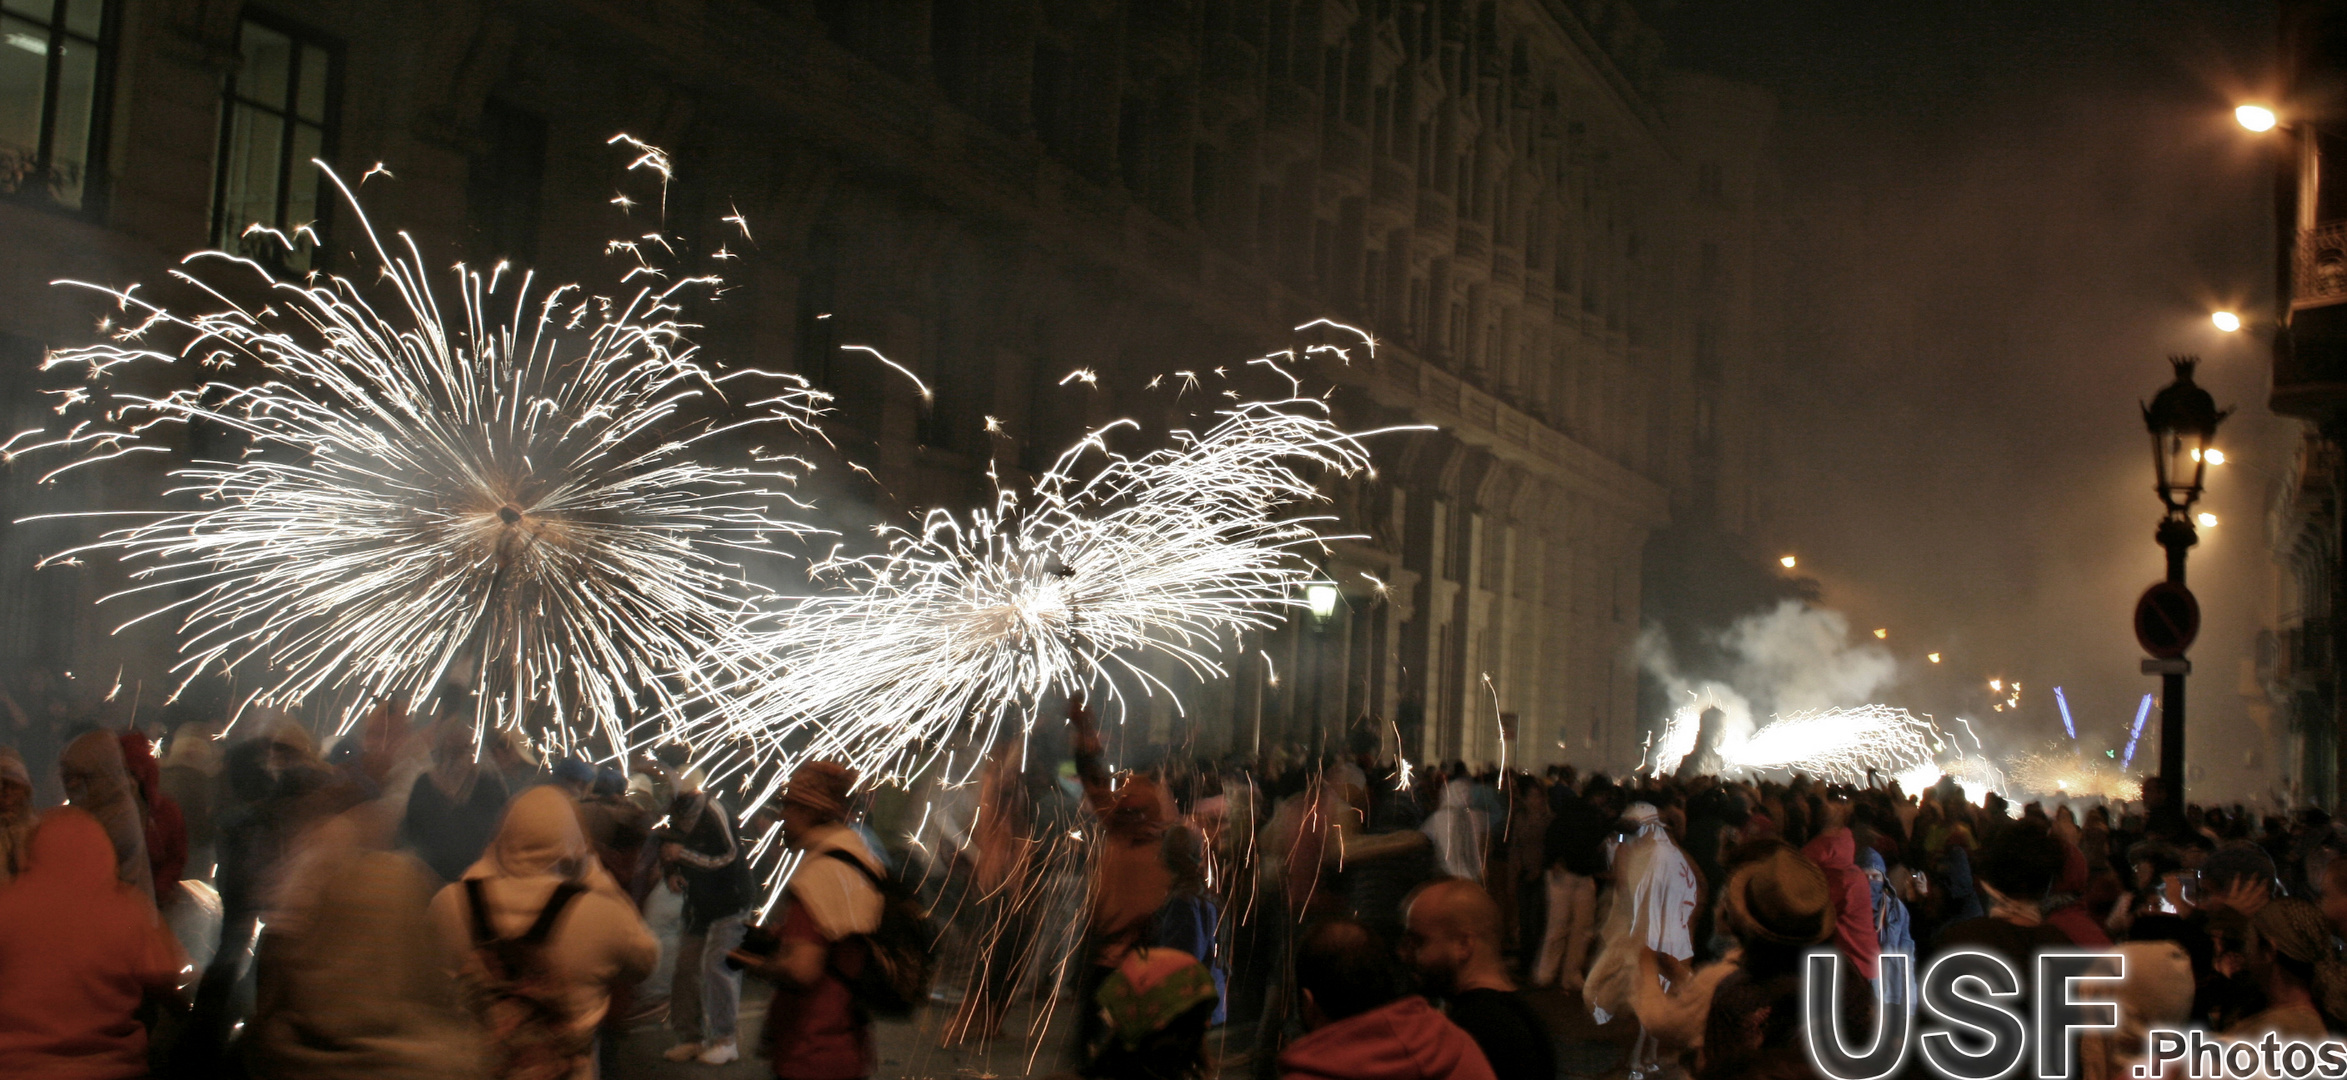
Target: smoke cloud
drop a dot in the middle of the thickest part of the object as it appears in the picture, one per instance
(1790, 658)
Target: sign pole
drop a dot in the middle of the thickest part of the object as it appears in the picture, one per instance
(2177, 535)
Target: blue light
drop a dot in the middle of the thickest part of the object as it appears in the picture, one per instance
(2142, 712)
(2068, 727)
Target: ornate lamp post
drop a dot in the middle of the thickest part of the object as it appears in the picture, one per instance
(2183, 421)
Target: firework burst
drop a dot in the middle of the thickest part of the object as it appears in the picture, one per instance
(480, 479)
(971, 621)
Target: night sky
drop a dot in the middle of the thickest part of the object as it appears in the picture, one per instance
(2004, 216)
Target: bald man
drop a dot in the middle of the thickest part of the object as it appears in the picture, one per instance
(1453, 941)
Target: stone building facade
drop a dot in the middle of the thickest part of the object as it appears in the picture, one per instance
(1559, 246)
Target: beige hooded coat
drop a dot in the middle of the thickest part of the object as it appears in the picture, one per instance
(599, 942)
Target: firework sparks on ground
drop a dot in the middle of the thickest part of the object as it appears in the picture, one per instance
(415, 480)
(1837, 745)
(1842, 745)
(1072, 589)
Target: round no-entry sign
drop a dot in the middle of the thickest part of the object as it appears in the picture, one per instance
(2166, 620)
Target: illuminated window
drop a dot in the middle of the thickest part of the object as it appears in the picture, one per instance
(279, 115)
(55, 61)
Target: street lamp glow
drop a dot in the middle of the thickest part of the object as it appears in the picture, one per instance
(2214, 457)
(1881, 633)
(2226, 321)
(2255, 117)
(1788, 562)
(1933, 657)
(1321, 597)
(2207, 521)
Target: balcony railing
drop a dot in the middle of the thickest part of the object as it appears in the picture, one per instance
(2319, 277)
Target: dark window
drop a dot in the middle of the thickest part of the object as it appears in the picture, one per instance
(56, 60)
(281, 104)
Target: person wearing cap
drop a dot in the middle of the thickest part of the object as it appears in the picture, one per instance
(1777, 905)
(814, 1029)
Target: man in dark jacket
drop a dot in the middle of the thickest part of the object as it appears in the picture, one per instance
(702, 846)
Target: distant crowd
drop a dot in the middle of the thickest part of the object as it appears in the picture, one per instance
(415, 903)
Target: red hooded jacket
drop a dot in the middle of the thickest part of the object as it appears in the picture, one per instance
(1836, 852)
(78, 950)
(1406, 1040)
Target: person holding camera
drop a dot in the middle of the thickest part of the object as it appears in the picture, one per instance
(814, 1030)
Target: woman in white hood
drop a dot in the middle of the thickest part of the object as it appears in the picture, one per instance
(1655, 893)
(598, 941)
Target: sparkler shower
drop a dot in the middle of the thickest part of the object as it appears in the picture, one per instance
(541, 485)
(1071, 589)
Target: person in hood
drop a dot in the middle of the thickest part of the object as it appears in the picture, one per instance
(166, 829)
(1359, 1026)
(1156, 1009)
(92, 770)
(454, 808)
(190, 772)
(16, 813)
(1461, 831)
(79, 950)
(1655, 892)
(814, 1028)
(597, 943)
(1835, 849)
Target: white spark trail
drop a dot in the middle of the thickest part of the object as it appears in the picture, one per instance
(970, 622)
(434, 476)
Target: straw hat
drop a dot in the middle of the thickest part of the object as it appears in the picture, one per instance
(1781, 898)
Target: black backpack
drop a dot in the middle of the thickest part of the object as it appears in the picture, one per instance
(899, 956)
(530, 1028)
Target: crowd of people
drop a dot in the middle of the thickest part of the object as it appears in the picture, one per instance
(414, 903)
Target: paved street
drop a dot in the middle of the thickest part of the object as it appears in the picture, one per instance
(909, 1051)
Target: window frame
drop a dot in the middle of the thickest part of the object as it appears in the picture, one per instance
(96, 175)
(289, 117)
